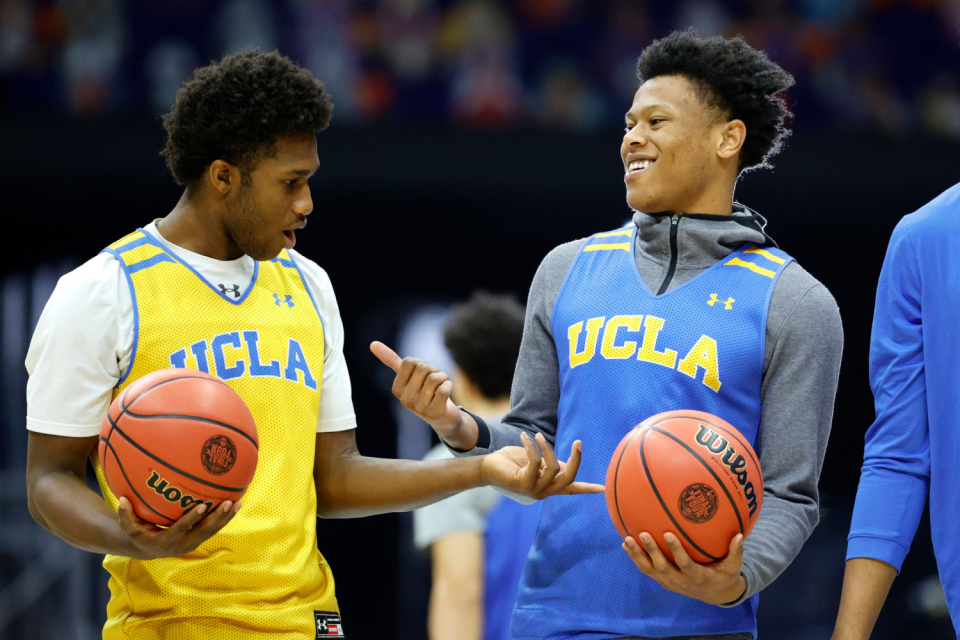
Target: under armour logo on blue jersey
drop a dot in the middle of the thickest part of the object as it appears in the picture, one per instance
(235, 290)
(727, 304)
(287, 299)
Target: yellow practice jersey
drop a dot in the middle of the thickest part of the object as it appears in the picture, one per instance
(261, 576)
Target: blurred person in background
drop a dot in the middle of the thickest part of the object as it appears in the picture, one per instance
(478, 540)
(913, 446)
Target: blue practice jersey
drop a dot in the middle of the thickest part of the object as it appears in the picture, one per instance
(508, 537)
(626, 354)
(914, 444)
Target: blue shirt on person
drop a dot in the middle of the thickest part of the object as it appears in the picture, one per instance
(913, 447)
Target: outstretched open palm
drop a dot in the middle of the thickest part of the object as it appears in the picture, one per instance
(526, 471)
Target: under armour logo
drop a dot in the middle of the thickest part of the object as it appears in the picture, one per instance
(287, 299)
(727, 304)
(322, 624)
(235, 290)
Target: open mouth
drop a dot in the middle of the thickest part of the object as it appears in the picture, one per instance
(290, 238)
(639, 166)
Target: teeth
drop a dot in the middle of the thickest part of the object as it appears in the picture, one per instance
(639, 165)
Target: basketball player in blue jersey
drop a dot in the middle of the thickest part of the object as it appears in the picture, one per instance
(179, 292)
(691, 307)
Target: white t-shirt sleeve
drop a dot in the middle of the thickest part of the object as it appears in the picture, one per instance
(79, 350)
(336, 401)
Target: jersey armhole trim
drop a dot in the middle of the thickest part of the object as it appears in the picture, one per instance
(306, 287)
(563, 285)
(136, 314)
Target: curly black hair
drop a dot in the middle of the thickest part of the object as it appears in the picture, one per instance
(235, 109)
(732, 77)
(483, 336)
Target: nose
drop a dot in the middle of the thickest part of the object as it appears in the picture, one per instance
(635, 136)
(303, 205)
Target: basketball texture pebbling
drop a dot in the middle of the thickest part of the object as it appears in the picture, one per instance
(176, 438)
(690, 473)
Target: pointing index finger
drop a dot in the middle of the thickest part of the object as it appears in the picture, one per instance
(386, 355)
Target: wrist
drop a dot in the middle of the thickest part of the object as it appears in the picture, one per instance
(464, 435)
(734, 591)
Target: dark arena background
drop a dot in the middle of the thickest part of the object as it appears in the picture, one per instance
(469, 138)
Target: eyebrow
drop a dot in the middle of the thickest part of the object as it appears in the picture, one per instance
(303, 172)
(646, 108)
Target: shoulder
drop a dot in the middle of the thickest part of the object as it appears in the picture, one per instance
(318, 282)
(561, 257)
(550, 276)
(312, 272)
(932, 219)
(98, 279)
(800, 299)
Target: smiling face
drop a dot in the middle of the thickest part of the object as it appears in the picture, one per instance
(274, 200)
(677, 152)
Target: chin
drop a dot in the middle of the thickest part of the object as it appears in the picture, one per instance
(646, 204)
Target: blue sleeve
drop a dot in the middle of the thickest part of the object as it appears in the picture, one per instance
(896, 466)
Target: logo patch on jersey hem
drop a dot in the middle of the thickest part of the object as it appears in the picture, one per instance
(328, 624)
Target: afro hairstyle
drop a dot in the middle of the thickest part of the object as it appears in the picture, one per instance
(483, 336)
(732, 77)
(235, 109)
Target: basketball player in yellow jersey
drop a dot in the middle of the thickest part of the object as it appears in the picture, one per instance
(217, 286)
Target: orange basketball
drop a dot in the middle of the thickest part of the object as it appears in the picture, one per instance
(176, 438)
(690, 473)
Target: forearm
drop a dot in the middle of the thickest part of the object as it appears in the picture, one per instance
(63, 504)
(866, 583)
(453, 614)
(362, 486)
(456, 597)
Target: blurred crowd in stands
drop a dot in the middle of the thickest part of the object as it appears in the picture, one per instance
(873, 65)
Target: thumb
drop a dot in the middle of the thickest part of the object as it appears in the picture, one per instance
(386, 355)
(736, 546)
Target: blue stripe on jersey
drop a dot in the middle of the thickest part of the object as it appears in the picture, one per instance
(149, 262)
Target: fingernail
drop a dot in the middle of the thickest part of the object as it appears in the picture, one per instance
(202, 509)
(740, 544)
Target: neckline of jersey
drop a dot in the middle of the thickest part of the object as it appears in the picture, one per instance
(646, 289)
(178, 259)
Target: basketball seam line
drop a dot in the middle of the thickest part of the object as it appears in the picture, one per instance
(130, 484)
(616, 474)
(696, 455)
(196, 418)
(170, 466)
(643, 459)
(163, 382)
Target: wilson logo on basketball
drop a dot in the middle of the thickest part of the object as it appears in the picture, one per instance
(715, 443)
(172, 494)
(218, 455)
(698, 503)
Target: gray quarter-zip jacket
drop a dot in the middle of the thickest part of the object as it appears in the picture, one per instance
(804, 341)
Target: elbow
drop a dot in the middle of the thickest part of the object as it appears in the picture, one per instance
(328, 506)
(33, 498)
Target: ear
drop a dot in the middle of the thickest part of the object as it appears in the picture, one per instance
(732, 136)
(223, 176)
